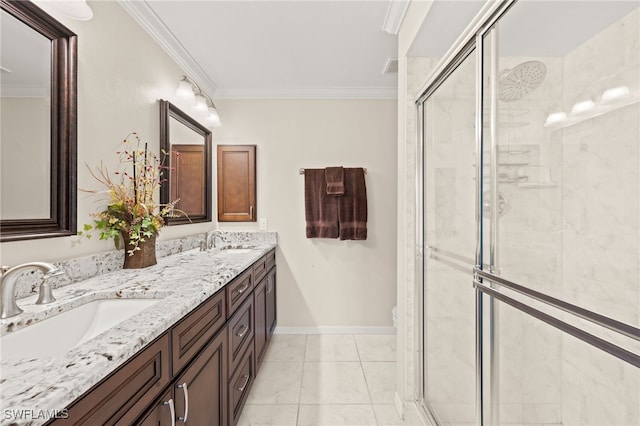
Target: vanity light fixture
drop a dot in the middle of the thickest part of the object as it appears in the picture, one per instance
(189, 90)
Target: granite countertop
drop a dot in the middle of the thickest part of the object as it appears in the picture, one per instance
(181, 282)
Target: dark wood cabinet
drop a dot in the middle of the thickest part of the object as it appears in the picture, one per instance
(236, 183)
(202, 368)
(188, 178)
(260, 308)
(126, 394)
(194, 331)
(271, 308)
(199, 395)
(201, 391)
(162, 414)
(240, 385)
(264, 297)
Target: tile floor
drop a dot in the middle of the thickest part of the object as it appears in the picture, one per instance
(320, 380)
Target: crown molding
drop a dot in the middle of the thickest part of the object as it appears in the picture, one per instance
(142, 13)
(310, 93)
(396, 11)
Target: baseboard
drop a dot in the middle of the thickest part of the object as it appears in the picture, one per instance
(335, 330)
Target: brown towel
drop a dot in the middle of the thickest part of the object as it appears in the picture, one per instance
(352, 207)
(335, 180)
(320, 209)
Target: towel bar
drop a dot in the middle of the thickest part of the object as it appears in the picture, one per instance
(301, 171)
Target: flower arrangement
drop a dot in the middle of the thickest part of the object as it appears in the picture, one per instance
(131, 211)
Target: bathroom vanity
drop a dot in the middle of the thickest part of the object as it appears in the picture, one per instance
(192, 356)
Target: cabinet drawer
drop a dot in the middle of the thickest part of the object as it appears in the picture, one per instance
(239, 386)
(126, 393)
(271, 259)
(259, 269)
(240, 332)
(196, 329)
(238, 290)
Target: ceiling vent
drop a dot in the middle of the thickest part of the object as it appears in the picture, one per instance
(391, 67)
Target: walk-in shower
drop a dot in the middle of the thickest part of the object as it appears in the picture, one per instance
(529, 219)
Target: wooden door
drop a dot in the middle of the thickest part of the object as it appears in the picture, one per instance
(236, 183)
(188, 178)
(270, 296)
(206, 386)
(260, 307)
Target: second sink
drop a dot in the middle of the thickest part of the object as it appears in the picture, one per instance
(57, 335)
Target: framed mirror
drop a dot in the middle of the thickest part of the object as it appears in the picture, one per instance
(38, 66)
(188, 145)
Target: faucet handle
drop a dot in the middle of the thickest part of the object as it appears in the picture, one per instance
(45, 292)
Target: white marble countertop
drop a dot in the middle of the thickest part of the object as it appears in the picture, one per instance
(183, 281)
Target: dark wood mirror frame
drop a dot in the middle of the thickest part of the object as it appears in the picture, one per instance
(63, 205)
(168, 111)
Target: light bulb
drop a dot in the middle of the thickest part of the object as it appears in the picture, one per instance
(611, 95)
(582, 107)
(555, 118)
(214, 118)
(201, 103)
(185, 91)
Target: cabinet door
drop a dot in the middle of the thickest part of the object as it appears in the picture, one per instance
(236, 183)
(260, 328)
(240, 385)
(162, 414)
(200, 393)
(127, 393)
(270, 295)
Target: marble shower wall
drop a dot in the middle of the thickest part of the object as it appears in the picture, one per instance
(601, 223)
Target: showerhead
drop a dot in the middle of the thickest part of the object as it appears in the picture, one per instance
(519, 81)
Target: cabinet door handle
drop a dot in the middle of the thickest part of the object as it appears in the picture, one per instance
(246, 382)
(185, 390)
(172, 410)
(244, 329)
(243, 289)
(269, 286)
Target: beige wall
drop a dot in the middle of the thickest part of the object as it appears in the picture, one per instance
(24, 157)
(122, 73)
(322, 282)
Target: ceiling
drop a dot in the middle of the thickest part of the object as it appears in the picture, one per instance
(309, 48)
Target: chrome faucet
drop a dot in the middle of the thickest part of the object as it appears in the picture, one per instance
(8, 305)
(210, 240)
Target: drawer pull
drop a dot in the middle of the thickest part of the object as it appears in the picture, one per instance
(243, 289)
(172, 410)
(244, 329)
(185, 390)
(246, 378)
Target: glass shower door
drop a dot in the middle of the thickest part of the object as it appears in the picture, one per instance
(449, 226)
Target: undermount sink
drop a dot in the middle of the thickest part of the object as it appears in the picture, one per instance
(57, 335)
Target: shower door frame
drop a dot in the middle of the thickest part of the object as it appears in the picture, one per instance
(484, 277)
